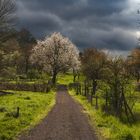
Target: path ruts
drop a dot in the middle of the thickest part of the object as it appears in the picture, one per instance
(66, 121)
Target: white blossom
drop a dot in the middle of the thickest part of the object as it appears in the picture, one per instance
(55, 54)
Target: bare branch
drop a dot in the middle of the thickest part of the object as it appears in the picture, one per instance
(7, 13)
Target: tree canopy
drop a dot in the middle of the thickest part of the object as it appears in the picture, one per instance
(55, 54)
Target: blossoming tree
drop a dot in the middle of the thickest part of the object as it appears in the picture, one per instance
(55, 54)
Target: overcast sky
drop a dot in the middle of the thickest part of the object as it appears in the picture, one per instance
(109, 24)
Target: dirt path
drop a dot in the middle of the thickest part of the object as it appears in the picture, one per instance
(65, 122)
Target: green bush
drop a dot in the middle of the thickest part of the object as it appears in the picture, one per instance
(125, 135)
(8, 73)
(32, 74)
(2, 109)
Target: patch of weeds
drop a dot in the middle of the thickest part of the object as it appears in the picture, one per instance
(126, 135)
(33, 105)
(31, 112)
(102, 125)
(109, 126)
(5, 137)
(10, 114)
(27, 98)
(3, 109)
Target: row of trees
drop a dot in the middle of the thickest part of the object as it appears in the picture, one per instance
(15, 46)
(134, 63)
(15, 52)
(22, 56)
(58, 54)
(116, 73)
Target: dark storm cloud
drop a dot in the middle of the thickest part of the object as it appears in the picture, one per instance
(88, 23)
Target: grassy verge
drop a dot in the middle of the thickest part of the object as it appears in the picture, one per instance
(33, 108)
(110, 127)
(65, 78)
(68, 78)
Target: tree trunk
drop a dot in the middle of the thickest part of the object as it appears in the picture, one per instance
(26, 64)
(106, 99)
(85, 88)
(78, 76)
(127, 108)
(74, 77)
(54, 77)
(96, 106)
(94, 86)
(138, 77)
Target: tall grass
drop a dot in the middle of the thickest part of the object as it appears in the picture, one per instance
(108, 126)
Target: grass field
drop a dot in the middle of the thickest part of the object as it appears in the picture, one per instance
(65, 79)
(110, 127)
(33, 108)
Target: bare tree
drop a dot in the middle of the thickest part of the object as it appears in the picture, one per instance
(7, 10)
(118, 79)
(26, 42)
(93, 61)
(134, 63)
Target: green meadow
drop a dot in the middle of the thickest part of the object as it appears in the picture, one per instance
(33, 107)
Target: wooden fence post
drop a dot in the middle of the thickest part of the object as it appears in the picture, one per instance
(77, 92)
(106, 99)
(85, 84)
(96, 106)
(17, 112)
(80, 89)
